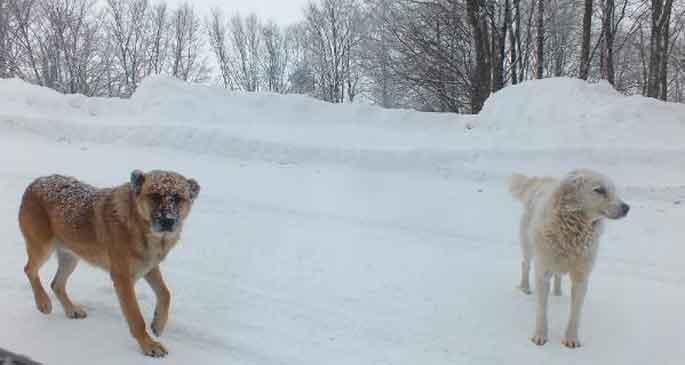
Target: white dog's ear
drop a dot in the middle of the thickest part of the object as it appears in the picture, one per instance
(570, 190)
(576, 178)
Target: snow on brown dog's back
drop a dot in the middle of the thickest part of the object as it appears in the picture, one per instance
(560, 228)
(127, 230)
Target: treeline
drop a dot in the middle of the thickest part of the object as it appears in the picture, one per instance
(433, 55)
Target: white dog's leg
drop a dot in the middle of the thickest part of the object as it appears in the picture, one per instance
(578, 291)
(557, 285)
(527, 252)
(525, 277)
(542, 288)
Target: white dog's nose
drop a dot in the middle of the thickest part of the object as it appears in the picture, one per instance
(625, 208)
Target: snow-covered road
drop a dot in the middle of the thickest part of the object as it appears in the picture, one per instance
(394, 255)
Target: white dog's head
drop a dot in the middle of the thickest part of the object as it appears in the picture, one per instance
(594, 194)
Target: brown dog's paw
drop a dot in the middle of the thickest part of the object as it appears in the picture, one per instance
(44, 304)
(76, 313)
(153, 349)
(571, 343)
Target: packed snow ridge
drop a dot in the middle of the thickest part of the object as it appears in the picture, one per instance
(164, 112)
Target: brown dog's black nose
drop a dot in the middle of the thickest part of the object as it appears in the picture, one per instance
(167, 224)
(625, 208)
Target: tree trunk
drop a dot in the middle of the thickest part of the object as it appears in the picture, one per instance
(498, 82)
(661, 11)
(654, 50)
(607, 52)
(3, 39)
(480, 78)
(663, 71)
(584, 61)
(611, 74)
(514, 42)
(540, 39)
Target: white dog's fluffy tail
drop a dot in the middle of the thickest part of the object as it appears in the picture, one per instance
(520, 186)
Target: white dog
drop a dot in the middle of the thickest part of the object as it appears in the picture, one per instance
(560, 228)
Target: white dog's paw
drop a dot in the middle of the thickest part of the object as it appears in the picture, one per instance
(571, 343)
(539, 339)
(525, 290)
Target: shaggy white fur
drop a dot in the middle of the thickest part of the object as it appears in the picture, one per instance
(560, 229)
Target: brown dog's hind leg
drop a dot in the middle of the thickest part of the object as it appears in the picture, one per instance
(35, 226)
(67, 263)
(38, 253)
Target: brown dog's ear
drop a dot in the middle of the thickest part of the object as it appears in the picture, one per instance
(194, 188)
(137, 180)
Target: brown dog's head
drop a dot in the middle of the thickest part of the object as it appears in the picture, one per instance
(594, 194)
(163, 198)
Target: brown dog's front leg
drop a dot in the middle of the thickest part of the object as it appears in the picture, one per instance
(123, 284)
(156, 282)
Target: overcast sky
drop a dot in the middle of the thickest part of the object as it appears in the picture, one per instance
(281, 11)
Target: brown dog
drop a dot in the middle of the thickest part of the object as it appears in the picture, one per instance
(127, 231)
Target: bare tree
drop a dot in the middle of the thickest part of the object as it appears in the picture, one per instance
(245, 47)
(26, 62)
(540, 55)
(515, 42)
(187, 61)
(159, 40)
(72, 43)
(301, 78)
(610, 26)
(127, 24)
(480, 81)
(333, 30)
(658, 46)
(423, 51)
(584, 61)
(376, 58)
(506, 27)
(4, 43)
(54, 43)
(218, 33)
(276, 57)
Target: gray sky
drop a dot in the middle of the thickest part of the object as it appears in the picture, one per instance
(281, 11)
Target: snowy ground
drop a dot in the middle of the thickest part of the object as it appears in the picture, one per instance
(350, 235)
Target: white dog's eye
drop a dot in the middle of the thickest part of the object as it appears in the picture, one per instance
(600, 190)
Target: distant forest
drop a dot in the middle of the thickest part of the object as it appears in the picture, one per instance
(440, 55)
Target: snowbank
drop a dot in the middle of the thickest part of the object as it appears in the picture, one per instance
(172, 114)
(553, 114)
(573, 113)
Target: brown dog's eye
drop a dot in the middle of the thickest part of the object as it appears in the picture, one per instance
(601, 191)
(177, 198)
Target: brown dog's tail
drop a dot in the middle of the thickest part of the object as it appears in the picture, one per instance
(520, 186)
